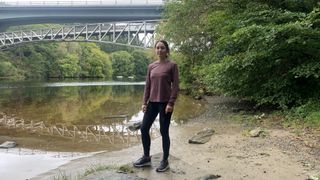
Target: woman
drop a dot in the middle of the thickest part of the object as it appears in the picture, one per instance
(160, 94)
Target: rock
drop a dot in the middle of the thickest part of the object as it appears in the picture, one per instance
(313, 178)
(135, 126)
(202, 136)
(255, 132)
(210, 176)
(178, 171)
(8, 144)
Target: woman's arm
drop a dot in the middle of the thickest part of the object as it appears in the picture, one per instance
(174, 85)
(146, 93)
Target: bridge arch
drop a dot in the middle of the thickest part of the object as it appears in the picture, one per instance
(132, 33)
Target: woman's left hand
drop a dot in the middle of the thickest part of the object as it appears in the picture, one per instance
(169, 109)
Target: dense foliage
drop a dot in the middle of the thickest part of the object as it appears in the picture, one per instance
(71, 60)
(266, 51)
(122, 63)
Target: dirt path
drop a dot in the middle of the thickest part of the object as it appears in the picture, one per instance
(229, 153)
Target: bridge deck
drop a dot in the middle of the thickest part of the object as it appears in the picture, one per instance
(14, 15)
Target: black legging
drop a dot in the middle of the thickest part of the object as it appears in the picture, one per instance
(150, 115)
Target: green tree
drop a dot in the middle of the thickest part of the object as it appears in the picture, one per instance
(68, 66)
(110, 48)
(267, 58)
(94, 62)
(7, 70)
(140, 61)
(31, 61)
(183, 27)
(122, 64)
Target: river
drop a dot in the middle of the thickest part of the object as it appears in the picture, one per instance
(75, 117)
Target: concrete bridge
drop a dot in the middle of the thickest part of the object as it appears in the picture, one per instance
(60, 12)
(134, 19)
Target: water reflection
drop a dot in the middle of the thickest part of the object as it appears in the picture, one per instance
(115, 128)
(80, 108)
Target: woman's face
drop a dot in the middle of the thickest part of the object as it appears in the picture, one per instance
(161, 50)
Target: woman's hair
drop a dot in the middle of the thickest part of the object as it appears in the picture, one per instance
(165, 44)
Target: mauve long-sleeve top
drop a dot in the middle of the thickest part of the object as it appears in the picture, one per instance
(162, 83)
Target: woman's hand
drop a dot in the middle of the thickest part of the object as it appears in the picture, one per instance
(169, 109)
(144, 108)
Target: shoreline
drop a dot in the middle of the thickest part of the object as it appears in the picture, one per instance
(230, 154)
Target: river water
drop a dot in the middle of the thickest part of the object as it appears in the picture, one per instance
(76, 117)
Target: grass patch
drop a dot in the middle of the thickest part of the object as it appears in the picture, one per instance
(119, 169)
(125, 169)
(304, 116)
(97, 168)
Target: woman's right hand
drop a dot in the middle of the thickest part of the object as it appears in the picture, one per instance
(144, 108)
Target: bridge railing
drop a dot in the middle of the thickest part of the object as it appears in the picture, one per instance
(81, 3)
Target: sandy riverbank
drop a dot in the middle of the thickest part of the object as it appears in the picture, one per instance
(230, 154)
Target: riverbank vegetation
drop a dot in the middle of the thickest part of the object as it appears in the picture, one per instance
(267, 52)
(72, 60)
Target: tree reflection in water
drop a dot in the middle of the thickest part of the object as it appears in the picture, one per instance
(77, 111)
